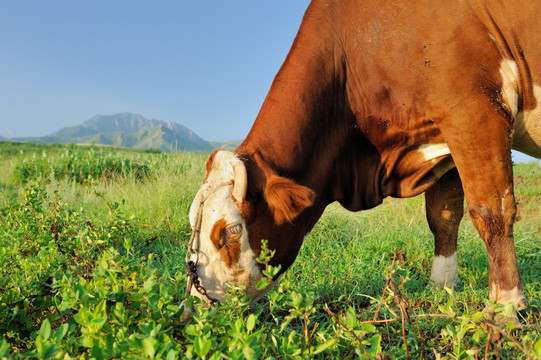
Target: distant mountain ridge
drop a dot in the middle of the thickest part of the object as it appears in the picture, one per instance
(130, 130)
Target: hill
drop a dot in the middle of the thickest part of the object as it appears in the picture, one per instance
(129, 130)
(229, 145)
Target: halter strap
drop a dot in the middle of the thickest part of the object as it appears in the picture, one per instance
(192, 256)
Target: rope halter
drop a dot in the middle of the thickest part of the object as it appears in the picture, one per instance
(192, 256)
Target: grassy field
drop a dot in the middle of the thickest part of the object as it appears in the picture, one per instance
(92, 244)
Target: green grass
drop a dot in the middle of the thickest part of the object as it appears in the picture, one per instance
(92, 266)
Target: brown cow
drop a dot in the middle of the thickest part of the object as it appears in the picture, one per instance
(376, 99)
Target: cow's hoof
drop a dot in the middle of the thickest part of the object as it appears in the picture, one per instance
(509, 313)
(448, 283)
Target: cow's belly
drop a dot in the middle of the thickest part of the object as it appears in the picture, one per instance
(527, 129)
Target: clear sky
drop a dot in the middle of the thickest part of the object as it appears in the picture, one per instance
(204, 64)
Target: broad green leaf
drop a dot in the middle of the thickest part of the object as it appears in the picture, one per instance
(97, 352)
(202, 345)
(478, 316)
(50, 352)
(248, 352)
(149, 284)
(250, 322)
(171, 355)
(45, 330)
(368, 328)
(324, 346)
(97, 323)
(537, 349)
(149, 346)
(262, 284)
(61, 332)
(4, 349)
(82, 317)
(375, 343)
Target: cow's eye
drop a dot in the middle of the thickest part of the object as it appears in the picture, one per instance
(232, 232)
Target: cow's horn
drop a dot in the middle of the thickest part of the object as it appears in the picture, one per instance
(240, 183)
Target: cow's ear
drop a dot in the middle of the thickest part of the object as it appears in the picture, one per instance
(287, 199)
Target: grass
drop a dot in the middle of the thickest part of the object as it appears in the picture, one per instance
(93, 267)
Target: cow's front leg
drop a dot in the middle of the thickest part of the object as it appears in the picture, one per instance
(481, 149)
(444, 210)
(495, 225)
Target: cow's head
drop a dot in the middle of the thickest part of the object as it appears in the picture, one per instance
(230, 227)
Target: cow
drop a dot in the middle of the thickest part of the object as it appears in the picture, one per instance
(376, 99)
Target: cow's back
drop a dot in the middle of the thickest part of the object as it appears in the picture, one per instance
(414, 61)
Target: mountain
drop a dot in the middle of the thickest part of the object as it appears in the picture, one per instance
(229, 145)
(130, 130)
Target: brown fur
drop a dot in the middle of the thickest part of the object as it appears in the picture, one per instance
(229, 249)
(286, 199)
(246, 210)
(209, 164)
(444, 210)
(216, 233)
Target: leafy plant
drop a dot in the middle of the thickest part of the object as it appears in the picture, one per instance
(94, 269)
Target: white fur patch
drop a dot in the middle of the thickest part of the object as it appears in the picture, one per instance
(510, 83)
(507, 191)
(515, 296)
(434, 151)
(527, 129)
(527, 125)
(445, 271)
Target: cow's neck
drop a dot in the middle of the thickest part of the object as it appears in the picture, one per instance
(306, 130)
(302, 104)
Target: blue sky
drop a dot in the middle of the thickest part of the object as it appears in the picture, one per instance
(207, 65)
(204, 64)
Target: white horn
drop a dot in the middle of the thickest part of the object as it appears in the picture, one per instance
(195, 207)
(240, 183)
